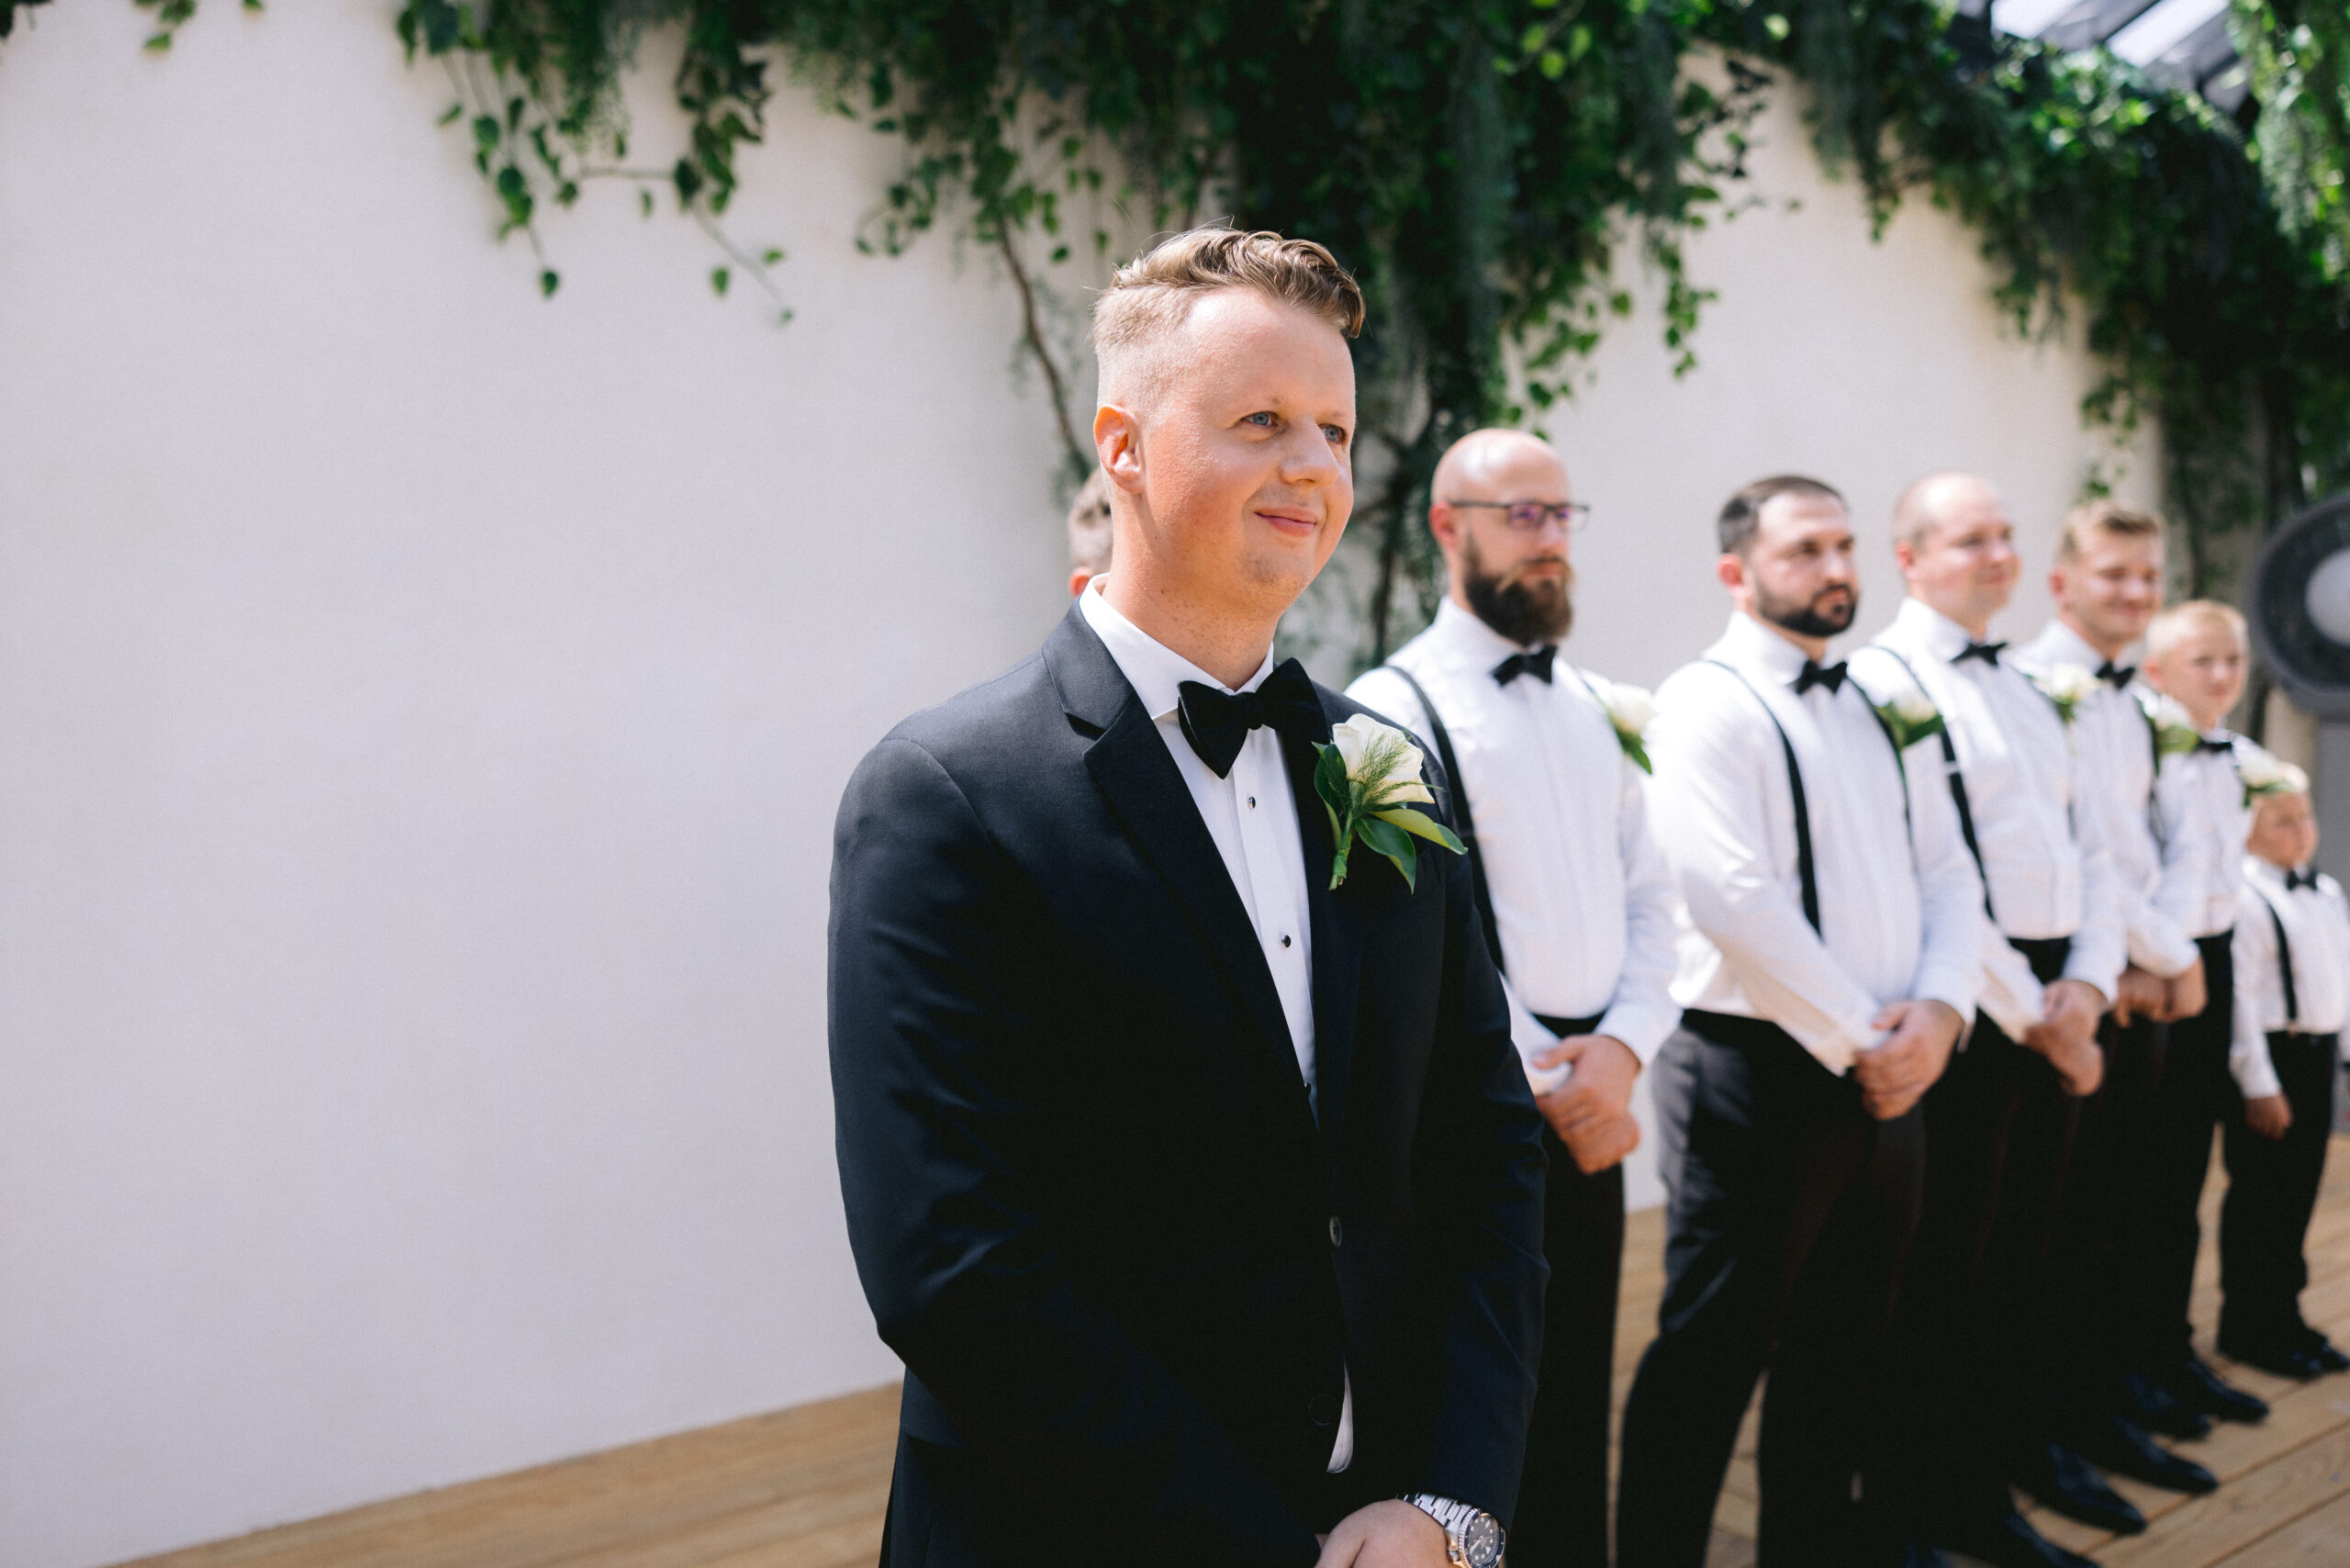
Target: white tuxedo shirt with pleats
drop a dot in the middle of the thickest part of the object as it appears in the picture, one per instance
(2156, 858)
(2317, 935)
(1582, 900)
(1900, 905)
(2044, 860)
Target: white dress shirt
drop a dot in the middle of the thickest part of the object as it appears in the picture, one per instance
(2317, 932)
(1897, 921)
(1251, 813)
(2045, 864)
(1582, 901)
(2206, 821)
(2115, 774)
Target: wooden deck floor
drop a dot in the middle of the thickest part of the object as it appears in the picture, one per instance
(804, 1488)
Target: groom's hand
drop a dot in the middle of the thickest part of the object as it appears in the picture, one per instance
(1385, 1535)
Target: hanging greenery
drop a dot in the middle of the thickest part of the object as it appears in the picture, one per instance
(1479, 163)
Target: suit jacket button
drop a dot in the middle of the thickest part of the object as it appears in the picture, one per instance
(1337, 1232)
(1322, 1410)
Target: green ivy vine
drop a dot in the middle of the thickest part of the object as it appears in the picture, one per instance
(1479, 162)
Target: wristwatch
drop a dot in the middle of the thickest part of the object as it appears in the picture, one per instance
(1473, 1537)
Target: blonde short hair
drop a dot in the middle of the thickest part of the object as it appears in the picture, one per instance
(1089, 526)
(2106, 518)
(2174, 626)
(1151, 295)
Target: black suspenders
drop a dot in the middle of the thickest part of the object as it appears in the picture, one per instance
(1957, 786)
(1463, 823)
(2284, 964)
(1805, 872)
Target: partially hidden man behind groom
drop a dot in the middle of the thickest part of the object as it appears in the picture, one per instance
(1203, 1200)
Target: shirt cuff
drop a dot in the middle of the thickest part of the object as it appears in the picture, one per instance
(2160, 948)
(2254, 1074)
(1531, 1038)
(1643, 1029)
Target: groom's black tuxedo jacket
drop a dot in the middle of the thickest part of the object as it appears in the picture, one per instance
(1089, 1198)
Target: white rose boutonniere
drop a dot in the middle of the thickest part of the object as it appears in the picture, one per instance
(2068, 687)
(1368, 776)
(1630, 709)
(2265, 773)
(2174, 726)
(1910, 717)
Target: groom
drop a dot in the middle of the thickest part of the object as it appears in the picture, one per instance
(1201, 1199)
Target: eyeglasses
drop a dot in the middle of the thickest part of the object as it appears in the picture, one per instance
(1531, 517)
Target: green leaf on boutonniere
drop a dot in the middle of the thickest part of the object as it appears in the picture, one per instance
(1365, 775)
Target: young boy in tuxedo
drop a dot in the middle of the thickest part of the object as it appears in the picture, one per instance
(2196, 655)
(2293, 962)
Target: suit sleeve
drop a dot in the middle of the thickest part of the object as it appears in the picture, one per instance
(935, 1101)
(1480, 1141)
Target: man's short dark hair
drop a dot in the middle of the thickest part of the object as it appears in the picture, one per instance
(1741, 515)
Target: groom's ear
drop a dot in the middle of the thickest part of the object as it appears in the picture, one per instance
(1118, 441)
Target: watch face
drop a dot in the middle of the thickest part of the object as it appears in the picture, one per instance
(1481, 1539)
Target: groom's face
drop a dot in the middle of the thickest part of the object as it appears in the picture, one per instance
(1247, 464)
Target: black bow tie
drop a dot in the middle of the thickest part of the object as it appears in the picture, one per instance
(2215, 745)
(1218, 722)
(1830, 676)
(2300, 879)
(2116, 676)
(1536, 663)
(1987, 652)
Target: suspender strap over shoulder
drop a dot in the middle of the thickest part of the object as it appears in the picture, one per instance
(2284, 966)
(1957, 789)
(1463, 823)
(1805, 871)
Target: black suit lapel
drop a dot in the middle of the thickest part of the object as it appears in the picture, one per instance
(1337, 944)
(1130, 763)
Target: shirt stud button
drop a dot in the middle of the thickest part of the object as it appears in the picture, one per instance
(1252, 802)
(1337, 1232)
(1284, 941)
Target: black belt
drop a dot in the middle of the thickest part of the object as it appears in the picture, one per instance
(1564, 1027)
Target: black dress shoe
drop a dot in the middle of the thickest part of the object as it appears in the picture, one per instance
(2327, 1358)
(2124, 1448)
(2278, 1357)
(2198, 1387)
(2009, 1541)
(2147, 1401)
(2058, 1476)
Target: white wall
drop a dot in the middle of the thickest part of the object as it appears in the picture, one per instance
(422, 709)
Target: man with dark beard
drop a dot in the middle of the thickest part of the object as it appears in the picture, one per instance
(1577, 907)
(1831, 951)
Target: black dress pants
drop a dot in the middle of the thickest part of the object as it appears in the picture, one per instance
(2086, 1348)
(1562, 1518)
(2272, 1191)
(1976, 1307)
(2193, 1093)
(1790, 1212)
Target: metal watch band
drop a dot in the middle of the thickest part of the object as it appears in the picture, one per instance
(1467, 1528)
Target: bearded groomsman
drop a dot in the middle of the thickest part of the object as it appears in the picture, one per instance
(1190, 1172)
(2107, 584)
(2000, 1122)
(1833, 955)
(1578, 910)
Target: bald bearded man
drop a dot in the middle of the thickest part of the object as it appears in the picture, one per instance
(1577, 907)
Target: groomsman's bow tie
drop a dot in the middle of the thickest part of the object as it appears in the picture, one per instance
(1536, 663)
(1218, 722)
(2116, 676)
(2215, 745)
(1987, 652)
(1830, 676)
(2300, 879)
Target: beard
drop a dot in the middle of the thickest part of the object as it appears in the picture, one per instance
(1525, 613)
(1805, 618)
